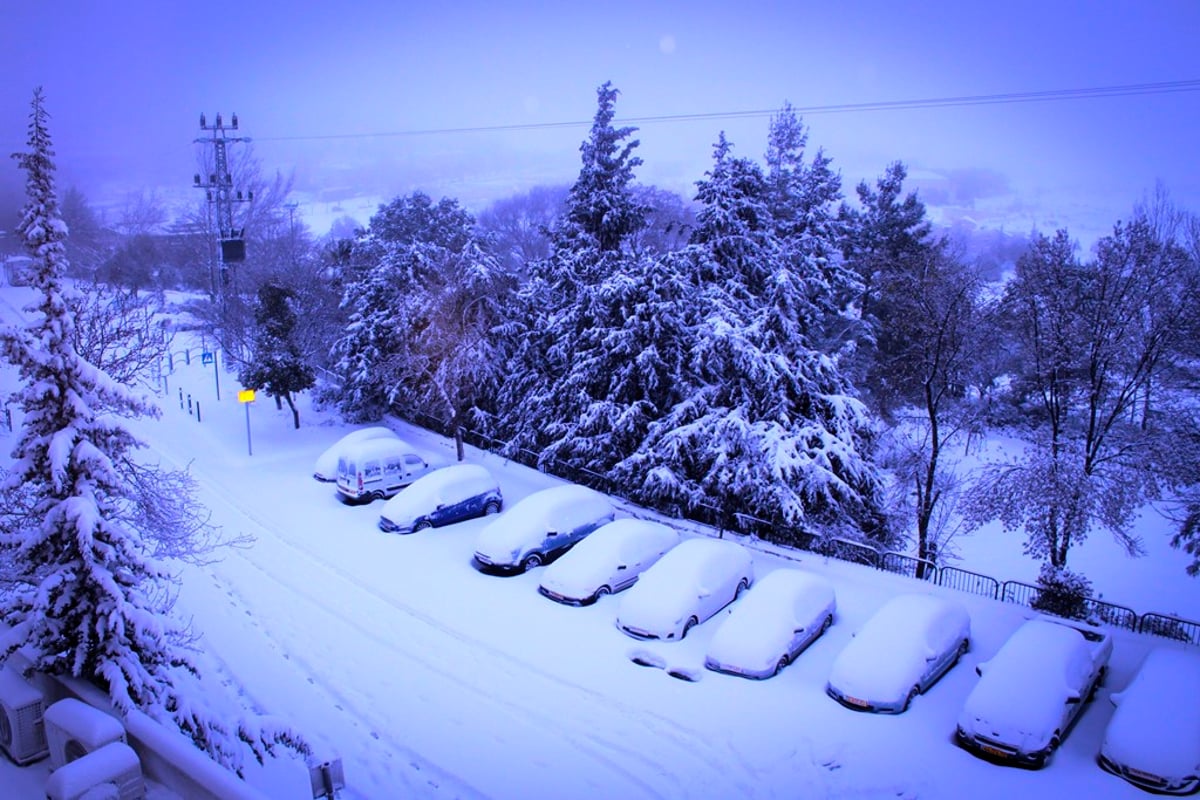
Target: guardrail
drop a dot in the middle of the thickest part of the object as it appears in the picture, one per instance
(858, 552)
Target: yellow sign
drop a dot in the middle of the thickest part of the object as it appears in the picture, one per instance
(246, 396)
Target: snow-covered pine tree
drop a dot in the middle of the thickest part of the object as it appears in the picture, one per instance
(276, 365)
(89, 599)
(387, 289)
(459, 358)
(549, 389)
(626, 368)
(803, 197)
(766, 425)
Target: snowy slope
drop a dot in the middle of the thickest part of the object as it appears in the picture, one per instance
(430, 679)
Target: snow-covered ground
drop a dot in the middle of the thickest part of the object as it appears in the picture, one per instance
(431, 679)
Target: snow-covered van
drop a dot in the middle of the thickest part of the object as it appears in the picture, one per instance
(377, 468)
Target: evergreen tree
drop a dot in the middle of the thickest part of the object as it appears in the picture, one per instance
(89, 598)
(459, 360)
(388, 281)
(766, 425)
(564, 298)
(602, 209)
(276, 365)
(803, 198)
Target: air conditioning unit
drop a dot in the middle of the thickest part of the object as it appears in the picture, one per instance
(22, 711)
(74, 729)
(111, 772)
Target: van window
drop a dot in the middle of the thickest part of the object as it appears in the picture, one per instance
(371, 470)
(413, 461)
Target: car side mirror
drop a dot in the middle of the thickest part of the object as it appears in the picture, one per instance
(1073, 699)
(621, 566)
(979, 670)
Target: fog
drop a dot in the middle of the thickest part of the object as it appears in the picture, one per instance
(370, 99)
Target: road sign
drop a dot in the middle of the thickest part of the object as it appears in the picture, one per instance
(246, 396)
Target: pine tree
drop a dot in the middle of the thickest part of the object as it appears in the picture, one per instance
(89, 599)
(765, 424)
(549, 387)
(387, 284)
(276, 365)
(601, 208)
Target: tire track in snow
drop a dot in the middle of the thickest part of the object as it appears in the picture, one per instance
(696, 762)
(608, 750)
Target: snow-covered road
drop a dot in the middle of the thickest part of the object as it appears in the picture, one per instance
(430, 679)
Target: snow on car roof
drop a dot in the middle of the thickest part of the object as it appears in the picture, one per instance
(425, 492)
(789, 589)
(327, 462)
(1025, 685)
(889, 651)
(1156, 727)
(605, 547)
(539, 512)
(685, 559)
(763, 622)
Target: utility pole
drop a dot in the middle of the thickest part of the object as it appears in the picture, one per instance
(221, 195)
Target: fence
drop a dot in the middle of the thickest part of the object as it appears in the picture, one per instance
(1073, 607)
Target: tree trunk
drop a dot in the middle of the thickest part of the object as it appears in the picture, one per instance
(295, 411)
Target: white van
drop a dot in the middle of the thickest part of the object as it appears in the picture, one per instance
(377, 468)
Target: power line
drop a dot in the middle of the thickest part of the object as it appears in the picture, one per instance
(1050, 95)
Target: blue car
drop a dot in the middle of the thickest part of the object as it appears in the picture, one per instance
(442, 497)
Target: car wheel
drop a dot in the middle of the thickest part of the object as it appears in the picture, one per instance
(963, 647)
(742, 586)
(376, 496)
(828, 621)
(603, 590)
(532, 561)
(687, 626)
(491, 508)
(422, 525)
(913, 692)
(783, 662)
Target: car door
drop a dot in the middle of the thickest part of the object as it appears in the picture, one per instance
(803, 630)
(442, 512)
(629, 564)
(412, 467)
(712, 591)
(941, 651)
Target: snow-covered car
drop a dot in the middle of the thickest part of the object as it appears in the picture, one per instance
(442, 497)
(1153, 738)
(376, 469)
(782, 615)
(685, 587)
(901, 651)
(325, 469)
(1032, 691)
(607, 561)
(541, 527)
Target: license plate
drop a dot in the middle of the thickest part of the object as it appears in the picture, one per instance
(854, 701)
(995, 751)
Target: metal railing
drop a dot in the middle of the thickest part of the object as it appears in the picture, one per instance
(864, 553)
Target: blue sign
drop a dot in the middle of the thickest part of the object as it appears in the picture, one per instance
(206, 358)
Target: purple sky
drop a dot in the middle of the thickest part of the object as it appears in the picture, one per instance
(125, 83)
